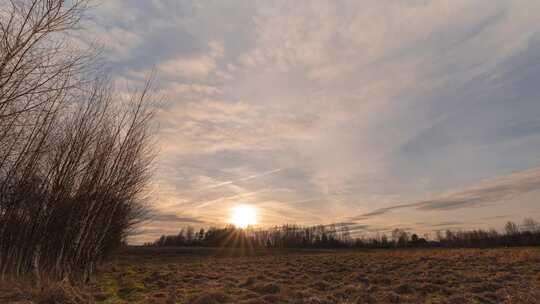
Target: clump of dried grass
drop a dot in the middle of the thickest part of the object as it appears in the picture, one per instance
(49, 293)
(270, 288)
(62, 293)
(216, 297)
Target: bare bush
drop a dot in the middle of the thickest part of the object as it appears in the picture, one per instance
(74, 161)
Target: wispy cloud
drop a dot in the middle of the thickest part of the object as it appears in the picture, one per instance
(486, 192)
(197, 66)
(174, 218)
(247, 178)
(363, 111)
(445, 224)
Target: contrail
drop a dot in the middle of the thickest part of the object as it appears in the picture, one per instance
(228, 198)
(244, 179)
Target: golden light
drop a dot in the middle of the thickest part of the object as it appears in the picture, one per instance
(243, 216)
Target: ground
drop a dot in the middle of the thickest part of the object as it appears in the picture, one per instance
(207, 276)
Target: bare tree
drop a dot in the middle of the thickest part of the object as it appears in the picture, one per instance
(530, 225)
(511, 228)
(74, 159)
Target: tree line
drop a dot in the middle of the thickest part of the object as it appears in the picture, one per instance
(277, 237)
(74, 155)
(339, 236)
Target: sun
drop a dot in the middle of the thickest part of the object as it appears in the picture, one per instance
(243, 216)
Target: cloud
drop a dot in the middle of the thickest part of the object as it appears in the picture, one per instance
(366, 103)
(497, 217)
(193, 66)
(188, 67)
(247, 178)
(454, 223)
(358, 228)
(190, 91)
(486, 192)
(210, 126)
(174, 218)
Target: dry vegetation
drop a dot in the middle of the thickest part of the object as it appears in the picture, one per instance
(205, 276)
(75, 156)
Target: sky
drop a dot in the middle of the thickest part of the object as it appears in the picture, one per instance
(423, 115)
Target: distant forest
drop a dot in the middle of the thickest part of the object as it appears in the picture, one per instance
(339, 236)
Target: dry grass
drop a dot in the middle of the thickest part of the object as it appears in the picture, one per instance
(49, 293)
(203, 276)
(401, 276)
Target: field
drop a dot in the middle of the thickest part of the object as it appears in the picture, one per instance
(206, 276)
(201, 276)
